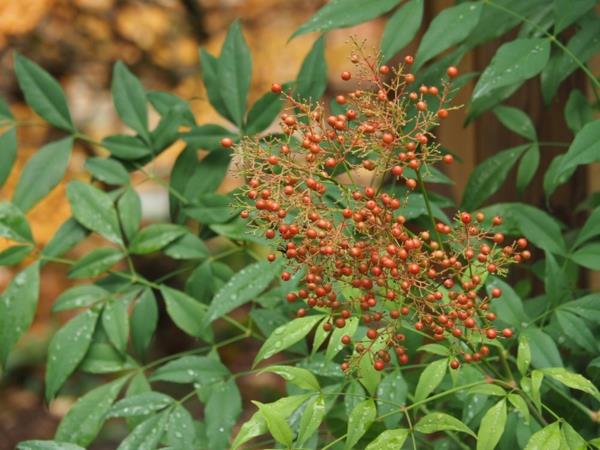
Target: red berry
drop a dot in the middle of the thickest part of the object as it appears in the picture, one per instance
(226, 142)
(442, 113)
(507, 333)
(276, 88)
(448, 158)
(372, 334)
(379, 365)
(384, 70)
(491, 333)
(465, 218)
(346, 75)
(452, 71)
(397, 171)
(454, 364)
(408, 59)
(346, 339)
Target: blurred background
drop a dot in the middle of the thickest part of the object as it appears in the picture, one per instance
(78, 41)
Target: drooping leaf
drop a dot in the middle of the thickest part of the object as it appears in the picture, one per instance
(126, 147)
(389, 440)
(401, 28)
(187, 313)
(86, 417)
(8, 153)
(144, 319)
(295, 375)
(451, 26)
(544, 352)
(311, 80)
(140, 404)
(584, 149)
(43, 93)
(129, 98)
(360, 420)
(104, 358)
(513, 63)
(146, 435)
(107, 170)
(155, 237)
(286, 335)
(67, 348)
(181, 431)
(242, 287)
(18, 304)
(391, 394)
(572, 380)
(538, 227)
(94, 210)
(492, 426)
(223, 407)
(190, 369)
(276, 423)
(234, 72)
(516, 120)
(488, 176)
(430, 378)
(95, 262)
(520, 405)
(344, 13)
(42, 173)
(437, 421)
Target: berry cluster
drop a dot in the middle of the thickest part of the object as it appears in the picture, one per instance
(330, 190)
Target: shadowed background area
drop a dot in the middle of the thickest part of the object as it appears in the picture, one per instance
(78, 41)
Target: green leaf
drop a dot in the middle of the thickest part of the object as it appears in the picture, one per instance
(538, 227)
(430, 378)
(520, 405)
(234, 72)
(571, 438)
(155, 237)
(43, 93)
(263, 113)
(335, 342)
(190, 369)
(344, 13)
(588, 256)
(13, 224)
(311, 80)
(47, 445)
(94, 210)
(207, 137)
(590, 229)
(140, 404)
(437, 421)
(79, 297)
(391, 394)
(210, 69)
(516, 120)
(435, 349)
(181, 431)
(95, 262)
(389, 440)
(188, 246)
(126, 147)
(17, 308)
(583, 46)
(129, 98)
(187, 313)
(68, 235)
(42, 173)
(144, 319)
(129, 210)
(487, 389)
(85, 418)
(286, 336)
(5, 113)
(509, 307)
(276, 423)
(513, 63)
(223, 407)
(568, 11)
(311, 419)
(528, 167)
(104, 358)
(492, 426)
(488, 176)
(451, 26)
(148, 434)
(107, 170)
(523, 354)
(165, 102)
(302, 378)
(584, 149)
(242, 287)
(401, 28)
(572, 380)
(548, 438)
(212, 208)
(207, 278)
(576, 330)
(361, 418)
(115, 321)
(8, 153)
(67, 348)
(578, 111)
(544, 352)
(14, 255)
(587, 307)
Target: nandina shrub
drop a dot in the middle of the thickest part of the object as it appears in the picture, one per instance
(390, 300)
